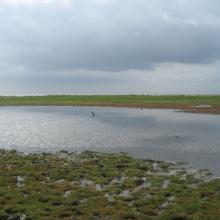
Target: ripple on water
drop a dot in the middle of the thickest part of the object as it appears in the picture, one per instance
(155, 134)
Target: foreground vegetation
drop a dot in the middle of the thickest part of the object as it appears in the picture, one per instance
(103, 186)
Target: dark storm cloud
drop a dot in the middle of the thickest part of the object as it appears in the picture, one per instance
(109, 35)
(109, 46)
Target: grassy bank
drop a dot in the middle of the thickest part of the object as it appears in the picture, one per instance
(103, 186)
(185, 103)
(135, 100)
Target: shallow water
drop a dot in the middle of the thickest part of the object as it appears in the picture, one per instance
(154, 134)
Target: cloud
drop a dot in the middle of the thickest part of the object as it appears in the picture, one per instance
(34, 2)
(41, 40)
(164, 78)
(90, 36)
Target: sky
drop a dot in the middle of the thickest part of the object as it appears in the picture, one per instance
(109, 47)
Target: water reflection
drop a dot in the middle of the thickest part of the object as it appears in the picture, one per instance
(155, 134)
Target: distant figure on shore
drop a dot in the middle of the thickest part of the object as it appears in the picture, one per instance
(93, 114)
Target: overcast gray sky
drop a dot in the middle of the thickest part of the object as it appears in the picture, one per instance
(109, 47)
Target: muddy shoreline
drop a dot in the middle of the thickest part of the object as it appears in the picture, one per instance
(212, 109)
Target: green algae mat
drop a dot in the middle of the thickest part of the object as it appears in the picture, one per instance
(92, 185)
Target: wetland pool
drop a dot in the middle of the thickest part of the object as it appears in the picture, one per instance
(148, 133)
